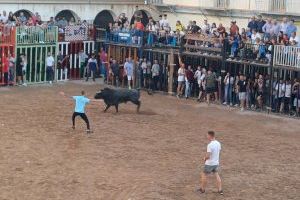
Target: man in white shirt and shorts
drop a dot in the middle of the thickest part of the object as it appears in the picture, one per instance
(211, 162)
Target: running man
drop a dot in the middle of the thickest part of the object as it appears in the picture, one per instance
(211, 160)
(80, 103)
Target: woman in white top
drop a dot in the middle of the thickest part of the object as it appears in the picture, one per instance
(202, 84)
(181, 77)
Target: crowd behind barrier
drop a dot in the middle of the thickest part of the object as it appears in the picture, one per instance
(256, 43)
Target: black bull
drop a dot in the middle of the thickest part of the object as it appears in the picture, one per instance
(113, 97)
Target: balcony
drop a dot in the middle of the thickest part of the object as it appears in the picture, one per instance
(264, 6)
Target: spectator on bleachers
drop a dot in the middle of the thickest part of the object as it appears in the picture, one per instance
(260, 24)
(205, 27)
(234, 29)
(284, 25)
(267, 28)
(252, 24)
(294, 39)
(291, 28)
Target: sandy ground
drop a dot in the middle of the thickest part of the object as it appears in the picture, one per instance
(152, 155)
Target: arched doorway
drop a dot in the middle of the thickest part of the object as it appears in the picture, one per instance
(103, 18)
(26, 13)
(68, 15)
(142, 14)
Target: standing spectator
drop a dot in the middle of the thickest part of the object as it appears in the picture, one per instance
(221, 30)
(242, 88)
(252, 24)
(115, 68)
(19, 67)
(5, 65)
(4, 17)
(210, 85)
(202, 84)
(103, 61)
(181, 77)
(144, 70)
(260, 91)
(24, 69)
(11, 69)
(284, 25)
(195, 27)
(197, 76)
(189, 79)
(291, 28)
(22, 18)
(267, 28)
(287, 88)
(275, 28)
(296, 93)
(234, 29)
(228, 82)
(155, 74)
(82, 62)
(128, 67)
(260, 24)
(92, 67)
(179, 26)
(211, 160)
(279, 95)
(205, 27)
(50, 68)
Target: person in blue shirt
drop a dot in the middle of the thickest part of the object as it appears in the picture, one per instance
(80, 103)
(291, 28)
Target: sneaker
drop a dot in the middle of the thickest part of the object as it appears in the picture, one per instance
(24, 84)
(201, 190)
(225, 103)
(89, 131)
(242, 109)
(221, 192)
(50, 82)
(231, 104)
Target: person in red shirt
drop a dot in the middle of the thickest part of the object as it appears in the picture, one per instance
(234, 29)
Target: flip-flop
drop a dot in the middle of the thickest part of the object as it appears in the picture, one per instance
(221, 192)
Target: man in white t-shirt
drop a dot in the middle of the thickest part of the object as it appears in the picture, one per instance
(211, 162)
(50, 67)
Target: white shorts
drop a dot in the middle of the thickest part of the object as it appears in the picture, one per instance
(242, 95)
(129, 78)
(295, 103)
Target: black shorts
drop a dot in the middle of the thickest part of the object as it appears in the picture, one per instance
(19, 71)
(210, 169)
(210, 90)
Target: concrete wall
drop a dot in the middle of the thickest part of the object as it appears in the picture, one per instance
(84, 10)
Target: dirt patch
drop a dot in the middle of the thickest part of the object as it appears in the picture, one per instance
(155, 154)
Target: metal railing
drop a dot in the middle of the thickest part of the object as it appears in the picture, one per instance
(36, 35)
(288, 56)
(7, 35)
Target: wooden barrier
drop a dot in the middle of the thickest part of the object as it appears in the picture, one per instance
(7, 52)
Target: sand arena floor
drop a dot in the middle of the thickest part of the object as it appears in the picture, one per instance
(156, 154)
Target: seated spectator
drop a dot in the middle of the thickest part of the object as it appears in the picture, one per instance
(179, 26)
(195, 28)
(221, 30)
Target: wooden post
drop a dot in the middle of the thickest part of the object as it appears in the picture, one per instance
(134, 66)
(171, 72)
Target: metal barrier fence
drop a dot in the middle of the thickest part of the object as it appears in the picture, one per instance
(27, 35)
(287, 56)
(36, 43)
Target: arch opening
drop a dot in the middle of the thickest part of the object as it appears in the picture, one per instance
(69, 15)
(103, 18)
(142, 15)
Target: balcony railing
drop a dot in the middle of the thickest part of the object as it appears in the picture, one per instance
(36, 35)
(287, 56)
(7, 35)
